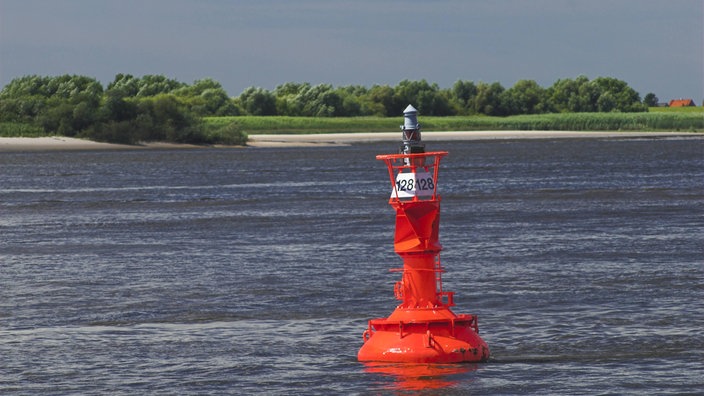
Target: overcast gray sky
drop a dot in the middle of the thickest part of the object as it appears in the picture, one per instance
(653, 45)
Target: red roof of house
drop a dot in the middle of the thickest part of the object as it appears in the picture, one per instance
(681, 102)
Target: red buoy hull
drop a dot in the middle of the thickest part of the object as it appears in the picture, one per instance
(443, 340)
(422, 329)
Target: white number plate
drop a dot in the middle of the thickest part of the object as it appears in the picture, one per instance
(409, 185)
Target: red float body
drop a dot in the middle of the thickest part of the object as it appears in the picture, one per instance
(422, 329)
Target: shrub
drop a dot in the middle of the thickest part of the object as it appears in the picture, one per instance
(230, 134)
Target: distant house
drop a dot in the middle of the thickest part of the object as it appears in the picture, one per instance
(681, 103)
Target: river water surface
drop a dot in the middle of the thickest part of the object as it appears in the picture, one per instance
(254, 271)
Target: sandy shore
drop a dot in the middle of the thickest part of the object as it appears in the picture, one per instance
(348, 138)
(312, 140)
(60, 143)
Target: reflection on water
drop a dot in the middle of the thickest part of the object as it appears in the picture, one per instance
(406, 376)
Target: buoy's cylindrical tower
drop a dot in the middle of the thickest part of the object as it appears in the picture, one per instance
(422, 328)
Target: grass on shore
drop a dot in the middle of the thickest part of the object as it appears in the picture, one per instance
(689, 121)
(686, 119)
(685, 109)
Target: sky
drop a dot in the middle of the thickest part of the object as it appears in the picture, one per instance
(656, 46)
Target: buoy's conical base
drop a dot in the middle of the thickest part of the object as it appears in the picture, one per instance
(451, 339)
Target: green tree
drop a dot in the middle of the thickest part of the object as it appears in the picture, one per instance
(63, 104)
(26, 86)
(74, 88)
(58, 119)
(606, 102)
(582, 95)
(207, 97)
(258, 102)
(320, 101)
(115, 107)
(23, 109)
(288, 101)
(175, 122)
(463, 92)
(488, 99)
(127, 84)
(427, 98)
(379, 101)
(625, 98)
(525, 97)
(152, 85)
(650, 100)
(351, 100)
(566, 95)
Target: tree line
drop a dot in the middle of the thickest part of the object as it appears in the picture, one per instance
(129, 110)
(603, 94)
(156, 108)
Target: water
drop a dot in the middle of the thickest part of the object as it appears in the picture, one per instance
(254, 271)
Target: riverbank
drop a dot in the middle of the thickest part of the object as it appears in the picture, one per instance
(60, 143)
(272, 140)
(54, 143)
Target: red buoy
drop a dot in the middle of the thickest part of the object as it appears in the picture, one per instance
(422, 328)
